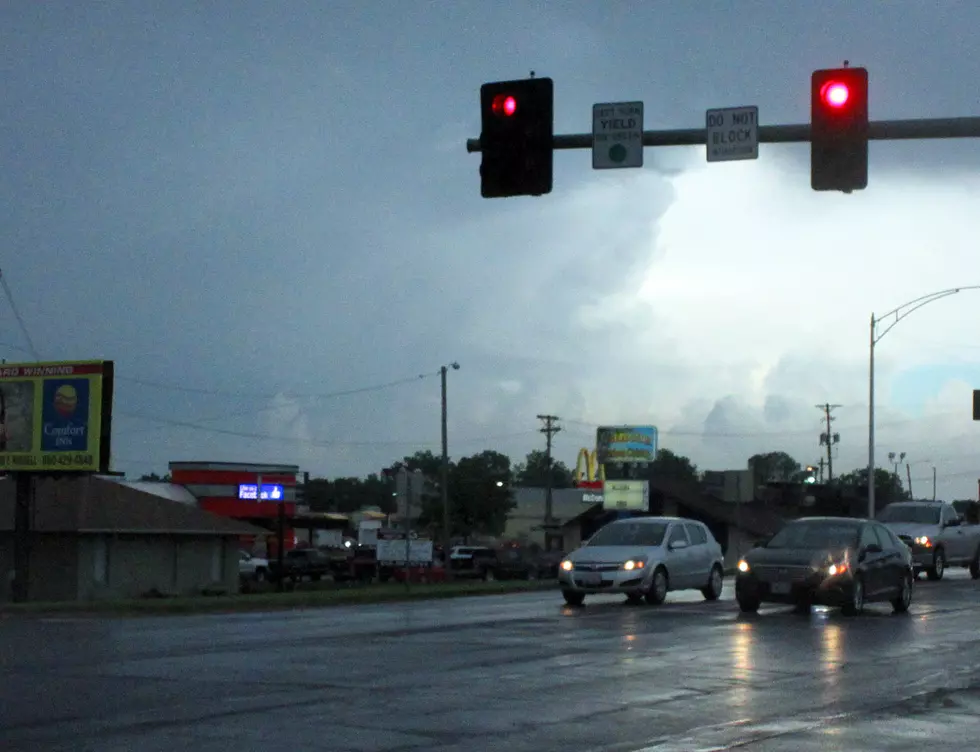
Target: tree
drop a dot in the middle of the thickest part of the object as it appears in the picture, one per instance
(480, 496)
(777, 467)
(675, 467)
(533, 472)
(888, 485)
(154, 478)
(346, 495)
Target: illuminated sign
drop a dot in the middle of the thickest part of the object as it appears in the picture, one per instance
(633, 495)
(270, 492)
(588, 470)
(626, 444)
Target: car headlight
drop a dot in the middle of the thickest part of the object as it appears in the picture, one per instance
(566, 566)
(743, 565)
(632, 564)
(923, 540)
(837, 568)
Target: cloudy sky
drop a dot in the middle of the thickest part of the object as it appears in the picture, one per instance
(265, 214)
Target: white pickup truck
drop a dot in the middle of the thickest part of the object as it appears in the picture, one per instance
(937, 536)
(252, 567)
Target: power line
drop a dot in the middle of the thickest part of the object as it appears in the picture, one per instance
(322, 443)
(775, 434)
(251, 411)
(20, 319)
(262, 395)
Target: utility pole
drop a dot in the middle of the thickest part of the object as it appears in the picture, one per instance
(829, 439)
(822, 464)
(549, 430)
(444, 470)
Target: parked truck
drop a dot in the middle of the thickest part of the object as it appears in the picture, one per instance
(937, 536)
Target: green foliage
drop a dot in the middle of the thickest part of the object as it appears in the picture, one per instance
(533, 472)
(888, 485)
(153, 477)
(673, 467)
(480, 493)
(777, 467)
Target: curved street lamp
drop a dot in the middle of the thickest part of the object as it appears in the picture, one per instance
(895, 315)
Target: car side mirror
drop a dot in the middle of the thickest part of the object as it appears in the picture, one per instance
(871, 548)
(760, 544)
(677, 545)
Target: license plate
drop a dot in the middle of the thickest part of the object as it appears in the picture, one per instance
(780, 588)
(592, 579)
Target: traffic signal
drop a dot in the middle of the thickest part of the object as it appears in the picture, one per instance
(516, 138)
(839, 129)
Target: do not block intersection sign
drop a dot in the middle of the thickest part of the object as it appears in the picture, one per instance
(732, 133)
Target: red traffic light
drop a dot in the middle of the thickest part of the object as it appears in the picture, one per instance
(835, 94)
(504, 104)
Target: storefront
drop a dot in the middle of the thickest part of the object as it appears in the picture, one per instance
(249, 492)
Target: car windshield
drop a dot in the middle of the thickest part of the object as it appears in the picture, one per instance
(914, 513)
(815, 535)
(630, 534)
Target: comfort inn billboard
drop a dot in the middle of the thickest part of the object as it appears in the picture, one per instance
(55, 417)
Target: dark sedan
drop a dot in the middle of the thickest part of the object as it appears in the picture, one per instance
(829, 561)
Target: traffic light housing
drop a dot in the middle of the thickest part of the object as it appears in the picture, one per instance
(839, 129)
(517, 119)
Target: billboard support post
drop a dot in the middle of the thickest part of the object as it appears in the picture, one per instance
(22, 535)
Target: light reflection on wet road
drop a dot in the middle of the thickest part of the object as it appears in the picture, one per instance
(510, 673)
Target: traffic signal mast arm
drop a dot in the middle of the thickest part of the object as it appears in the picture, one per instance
(880, 130)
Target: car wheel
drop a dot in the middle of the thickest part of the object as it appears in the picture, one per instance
(901, 604)
(531, 575)
(488, 576)
(856, 606)
(975, 566)
(716, 582)
(748, 605)
(260, 575)
(572, 598)
(938, 568)
(659, 584)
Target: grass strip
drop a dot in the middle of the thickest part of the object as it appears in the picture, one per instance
(301, 598)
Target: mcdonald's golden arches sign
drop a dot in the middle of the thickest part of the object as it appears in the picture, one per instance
(587, 468)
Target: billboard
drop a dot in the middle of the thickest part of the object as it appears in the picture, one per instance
(626, 444)
(56, 417)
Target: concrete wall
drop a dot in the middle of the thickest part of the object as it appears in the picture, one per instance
(100, 567)
(121, 566)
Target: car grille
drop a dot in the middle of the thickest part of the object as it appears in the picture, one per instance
(774, 573)
(597, 567)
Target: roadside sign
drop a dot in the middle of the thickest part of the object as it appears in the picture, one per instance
(617, 135)
(732, 133)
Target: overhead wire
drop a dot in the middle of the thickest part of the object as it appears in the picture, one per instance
(20, 319)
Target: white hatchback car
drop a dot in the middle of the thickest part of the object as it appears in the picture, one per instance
(644, 558)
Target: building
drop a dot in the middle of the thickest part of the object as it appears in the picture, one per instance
(580, 512)
(96, 538)
(253, 493)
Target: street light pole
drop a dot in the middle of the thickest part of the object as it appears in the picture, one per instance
(897, 315)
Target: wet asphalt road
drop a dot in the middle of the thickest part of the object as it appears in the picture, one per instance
(511, 673)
